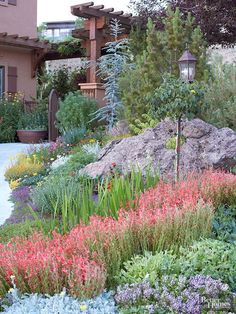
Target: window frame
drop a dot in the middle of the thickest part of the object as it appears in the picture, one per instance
(4, 3)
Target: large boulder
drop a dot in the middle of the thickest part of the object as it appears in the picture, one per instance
(205, 147)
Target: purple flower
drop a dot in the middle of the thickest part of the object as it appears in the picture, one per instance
(21, 194)
(129, 294)
(151, 308)
(212, 287)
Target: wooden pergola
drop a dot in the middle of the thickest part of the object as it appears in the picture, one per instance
(94, 35)
(37, 47)
(41, 50)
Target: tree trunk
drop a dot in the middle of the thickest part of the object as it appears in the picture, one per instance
(177, 150)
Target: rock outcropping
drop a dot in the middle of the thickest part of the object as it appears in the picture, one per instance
(205, 147)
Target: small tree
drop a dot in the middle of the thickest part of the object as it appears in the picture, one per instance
(163, 49)
(110, 67)
(176, 99)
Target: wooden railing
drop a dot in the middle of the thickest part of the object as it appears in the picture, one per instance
(88, 93)
(95, 91)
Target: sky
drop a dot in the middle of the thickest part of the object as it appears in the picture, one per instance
(59, 10)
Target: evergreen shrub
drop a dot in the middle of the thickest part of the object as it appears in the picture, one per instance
(76, 112)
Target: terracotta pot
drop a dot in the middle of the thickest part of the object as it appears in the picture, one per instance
(32, 136)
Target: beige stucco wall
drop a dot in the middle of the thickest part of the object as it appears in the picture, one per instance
(20, 19)
(22, 60)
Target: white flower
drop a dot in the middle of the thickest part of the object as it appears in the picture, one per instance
(63, 293)
(224, 287)
(10, 290)
(59, 162)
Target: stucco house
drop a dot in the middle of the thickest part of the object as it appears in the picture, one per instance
(20, 49)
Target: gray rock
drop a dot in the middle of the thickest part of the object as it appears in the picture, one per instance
(205, 147)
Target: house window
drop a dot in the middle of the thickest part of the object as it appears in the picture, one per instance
(4, 2)
(12, 2)
(2, 79)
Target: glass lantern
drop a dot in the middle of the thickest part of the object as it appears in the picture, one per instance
(187, 64)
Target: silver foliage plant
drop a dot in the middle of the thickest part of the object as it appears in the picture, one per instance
(110, 67)
(61, 304)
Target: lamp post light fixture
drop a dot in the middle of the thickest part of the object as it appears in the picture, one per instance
(187, 65)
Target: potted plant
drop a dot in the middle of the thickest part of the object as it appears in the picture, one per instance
(32, 127)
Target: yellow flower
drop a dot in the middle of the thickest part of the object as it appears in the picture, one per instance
(193, 91)
(35, 174)
(14, 184)
(83, 307)
(92, 140)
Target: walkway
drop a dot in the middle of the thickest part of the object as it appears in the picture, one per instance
(7, 151)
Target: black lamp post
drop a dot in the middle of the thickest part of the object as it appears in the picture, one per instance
(187, 65)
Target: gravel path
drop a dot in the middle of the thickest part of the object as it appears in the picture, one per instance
(7, 151)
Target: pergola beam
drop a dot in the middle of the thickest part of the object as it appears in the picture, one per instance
(95, 32)
(108, 10)
(23, 41)
(88, 10)
(98, 7)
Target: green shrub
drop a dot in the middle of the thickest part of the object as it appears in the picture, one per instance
(10, 112)
(220, 95)
(76, 112)
(211, 257)
(176, 100)
(62, 79)
(33, 121)
(24, 229)
(74, 136)
(151, 266)
(207, 257)
(140, 125)
(171, 142)
(76, 162)
(224, 224)
(32, 180)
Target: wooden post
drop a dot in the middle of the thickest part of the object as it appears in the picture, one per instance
(53, 106)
